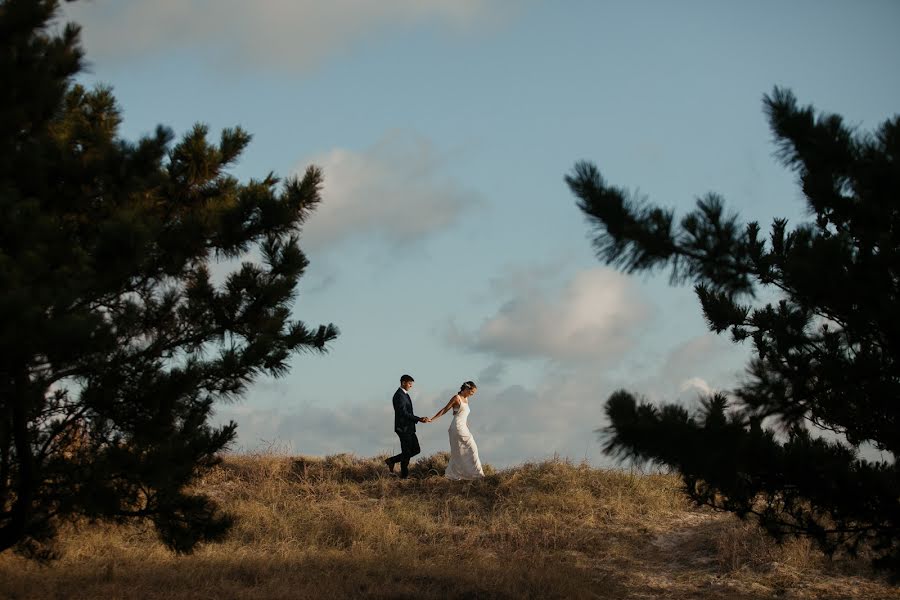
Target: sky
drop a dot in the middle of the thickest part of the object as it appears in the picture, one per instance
(447, 244)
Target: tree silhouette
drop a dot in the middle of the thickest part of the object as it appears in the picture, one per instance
(825, 376)
(114, 341)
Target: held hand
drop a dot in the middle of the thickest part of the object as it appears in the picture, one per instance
(423, 419)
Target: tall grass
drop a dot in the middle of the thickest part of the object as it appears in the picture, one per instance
(342, 527)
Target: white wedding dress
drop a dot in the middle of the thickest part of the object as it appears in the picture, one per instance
(464, 462)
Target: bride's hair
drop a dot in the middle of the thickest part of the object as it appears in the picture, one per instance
(468, 385)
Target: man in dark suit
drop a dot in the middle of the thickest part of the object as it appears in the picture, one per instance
(405, 427)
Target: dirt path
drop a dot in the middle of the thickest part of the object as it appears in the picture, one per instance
(686, 562)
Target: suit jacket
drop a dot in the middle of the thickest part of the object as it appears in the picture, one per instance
(404, 419)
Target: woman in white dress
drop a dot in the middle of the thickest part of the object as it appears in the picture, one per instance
(464, 462)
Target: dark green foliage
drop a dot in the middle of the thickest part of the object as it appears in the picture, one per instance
(826, 353)
(114, 341)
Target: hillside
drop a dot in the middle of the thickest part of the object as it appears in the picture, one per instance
(342, 527)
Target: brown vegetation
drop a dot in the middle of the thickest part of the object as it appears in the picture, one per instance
(342, 527)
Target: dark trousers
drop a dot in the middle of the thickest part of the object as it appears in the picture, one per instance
(409, 447)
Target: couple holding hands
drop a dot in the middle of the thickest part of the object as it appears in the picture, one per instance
(464, 462)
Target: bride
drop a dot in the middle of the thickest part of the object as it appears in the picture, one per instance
(464, 462)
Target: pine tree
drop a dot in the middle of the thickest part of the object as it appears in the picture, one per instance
(114, 341)
(824, 379)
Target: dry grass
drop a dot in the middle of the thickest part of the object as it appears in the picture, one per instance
(341, 527)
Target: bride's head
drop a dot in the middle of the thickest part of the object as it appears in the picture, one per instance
(468, 389)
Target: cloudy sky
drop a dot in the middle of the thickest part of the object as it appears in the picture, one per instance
(447, 245)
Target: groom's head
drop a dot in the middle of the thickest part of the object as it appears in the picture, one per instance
(406, 382)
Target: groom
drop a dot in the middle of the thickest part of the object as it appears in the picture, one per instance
(405, 426)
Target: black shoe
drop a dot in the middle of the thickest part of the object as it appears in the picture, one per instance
(390, 464)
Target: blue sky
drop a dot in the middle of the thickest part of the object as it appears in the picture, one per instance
(447, 245)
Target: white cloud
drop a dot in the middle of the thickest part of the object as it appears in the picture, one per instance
(571, 327)
(492, 374)
(699, 366)
(595, 316)
(364, 429)
(393, 190)
(561, 413)
(692, 352)
(289, 34)
(697, 384)
(557, 415)
(511, 425)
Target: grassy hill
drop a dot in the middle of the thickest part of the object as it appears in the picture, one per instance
(341, 527)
